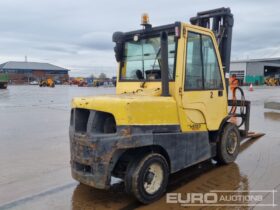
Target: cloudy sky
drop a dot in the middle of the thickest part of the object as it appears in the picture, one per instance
(76, 34)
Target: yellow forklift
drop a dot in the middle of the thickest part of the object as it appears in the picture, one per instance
(170, 110)
(272, 81)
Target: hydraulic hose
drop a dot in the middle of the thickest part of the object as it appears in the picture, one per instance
(242, 105)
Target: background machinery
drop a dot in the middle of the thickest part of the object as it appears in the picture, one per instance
(170, 110)
(272, 81)
(47, 83)
(3, 80)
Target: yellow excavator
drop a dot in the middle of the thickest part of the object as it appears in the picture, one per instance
(47, 83)
(170, 110)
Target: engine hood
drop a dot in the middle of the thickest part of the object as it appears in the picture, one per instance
(133, 109)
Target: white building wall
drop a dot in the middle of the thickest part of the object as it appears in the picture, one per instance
(251, 68)
(238, 66)
(257, 68)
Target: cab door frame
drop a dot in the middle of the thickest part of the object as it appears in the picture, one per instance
(202, 109)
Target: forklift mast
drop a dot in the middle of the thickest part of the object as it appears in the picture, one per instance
(220, 21)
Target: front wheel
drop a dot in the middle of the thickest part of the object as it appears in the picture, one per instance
(148, 177)
(228, 145)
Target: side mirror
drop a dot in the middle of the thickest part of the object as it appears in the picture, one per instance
(118, 39)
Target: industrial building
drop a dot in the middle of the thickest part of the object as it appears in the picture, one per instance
(26, 72)
(255, 71)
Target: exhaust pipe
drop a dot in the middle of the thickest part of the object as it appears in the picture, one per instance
(164, 64)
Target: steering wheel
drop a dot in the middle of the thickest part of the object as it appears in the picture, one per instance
(156, 73)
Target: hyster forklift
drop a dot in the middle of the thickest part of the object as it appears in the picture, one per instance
(170, 110)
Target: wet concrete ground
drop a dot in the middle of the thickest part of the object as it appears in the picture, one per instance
(34, 156)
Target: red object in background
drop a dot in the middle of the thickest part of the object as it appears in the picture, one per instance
(251, 87)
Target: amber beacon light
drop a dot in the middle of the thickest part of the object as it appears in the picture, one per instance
(145, 21)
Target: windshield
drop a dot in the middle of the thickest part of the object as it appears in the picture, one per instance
(142, 59)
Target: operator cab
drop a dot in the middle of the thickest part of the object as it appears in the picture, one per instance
(187, 66)
(139, 54)
(141, 60)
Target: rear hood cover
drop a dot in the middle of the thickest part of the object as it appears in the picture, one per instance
(133, 109)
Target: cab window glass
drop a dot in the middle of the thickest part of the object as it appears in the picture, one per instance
(202, 67)
(194, 76)
(142, 59)
(211, 70)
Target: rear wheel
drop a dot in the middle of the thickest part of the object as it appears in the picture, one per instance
(147, 177)
(228, 145)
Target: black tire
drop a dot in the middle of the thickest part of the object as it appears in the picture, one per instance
(151, 171)
(129, 172)
(228, 145)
